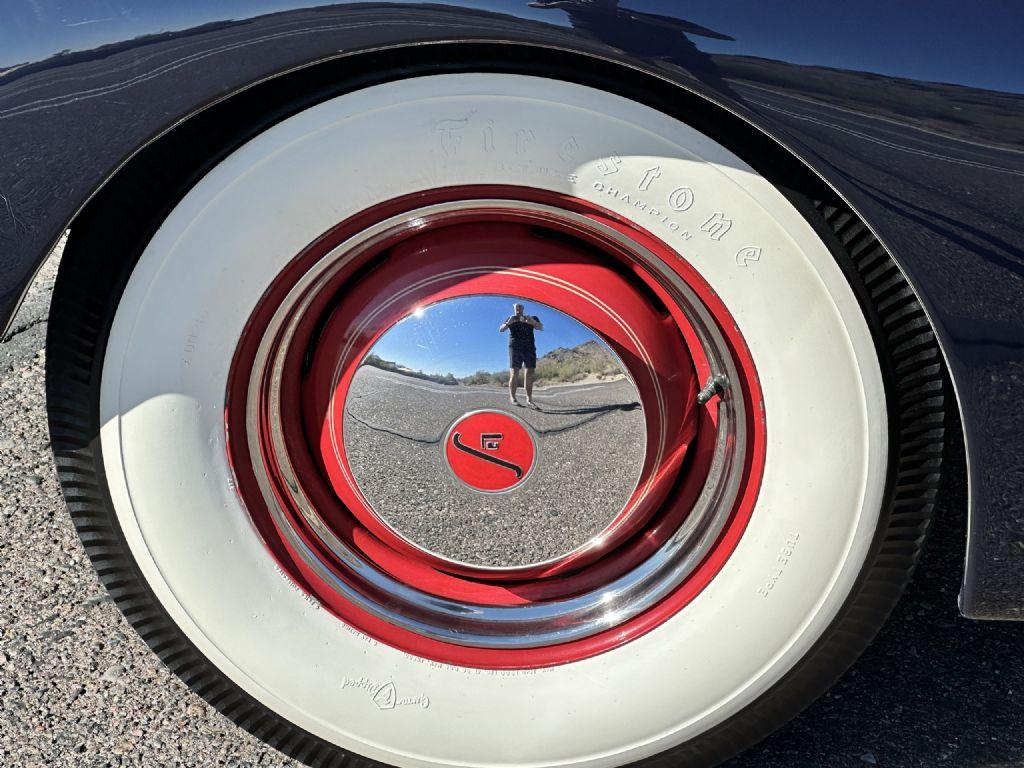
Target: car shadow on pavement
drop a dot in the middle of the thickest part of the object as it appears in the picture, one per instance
(933, 689)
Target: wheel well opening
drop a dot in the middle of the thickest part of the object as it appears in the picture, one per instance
(140, 194)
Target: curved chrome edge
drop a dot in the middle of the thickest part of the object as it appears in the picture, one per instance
(485, 626)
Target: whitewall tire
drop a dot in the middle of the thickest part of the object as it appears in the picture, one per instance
(153, 442)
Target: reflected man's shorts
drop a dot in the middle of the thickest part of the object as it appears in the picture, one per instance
(522, 358)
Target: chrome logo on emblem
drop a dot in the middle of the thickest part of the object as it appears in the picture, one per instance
(491, 441)
(505, 455)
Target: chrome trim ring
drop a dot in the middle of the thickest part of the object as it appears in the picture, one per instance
(465, 623)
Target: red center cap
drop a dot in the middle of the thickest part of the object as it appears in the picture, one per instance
(490, 451)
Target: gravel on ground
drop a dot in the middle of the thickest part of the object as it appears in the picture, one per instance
(590, 442)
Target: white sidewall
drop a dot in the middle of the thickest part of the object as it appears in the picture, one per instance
(197, 282)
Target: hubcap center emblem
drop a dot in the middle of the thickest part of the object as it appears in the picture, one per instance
(490, 451)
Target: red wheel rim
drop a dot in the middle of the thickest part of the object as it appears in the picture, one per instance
(679, 455)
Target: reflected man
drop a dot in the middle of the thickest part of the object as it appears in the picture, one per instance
(522, 350)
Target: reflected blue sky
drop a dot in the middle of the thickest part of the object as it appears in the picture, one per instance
(460, 336)
(976, 43)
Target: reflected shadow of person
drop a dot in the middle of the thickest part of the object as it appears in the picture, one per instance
(647, 35)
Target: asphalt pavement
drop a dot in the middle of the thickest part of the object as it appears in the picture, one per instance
(79, 688)
(587, 436)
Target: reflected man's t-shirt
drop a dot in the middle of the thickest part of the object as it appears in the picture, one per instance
(520, 335)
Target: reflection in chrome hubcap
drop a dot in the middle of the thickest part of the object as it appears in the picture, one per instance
(514, 483)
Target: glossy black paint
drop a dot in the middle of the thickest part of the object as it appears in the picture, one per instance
(915, 117)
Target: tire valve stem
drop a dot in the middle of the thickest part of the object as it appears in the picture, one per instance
(716, 385)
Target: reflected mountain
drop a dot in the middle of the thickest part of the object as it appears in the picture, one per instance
(389, 365)
(589, 361)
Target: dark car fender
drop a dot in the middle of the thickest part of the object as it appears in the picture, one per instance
(936, 170)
